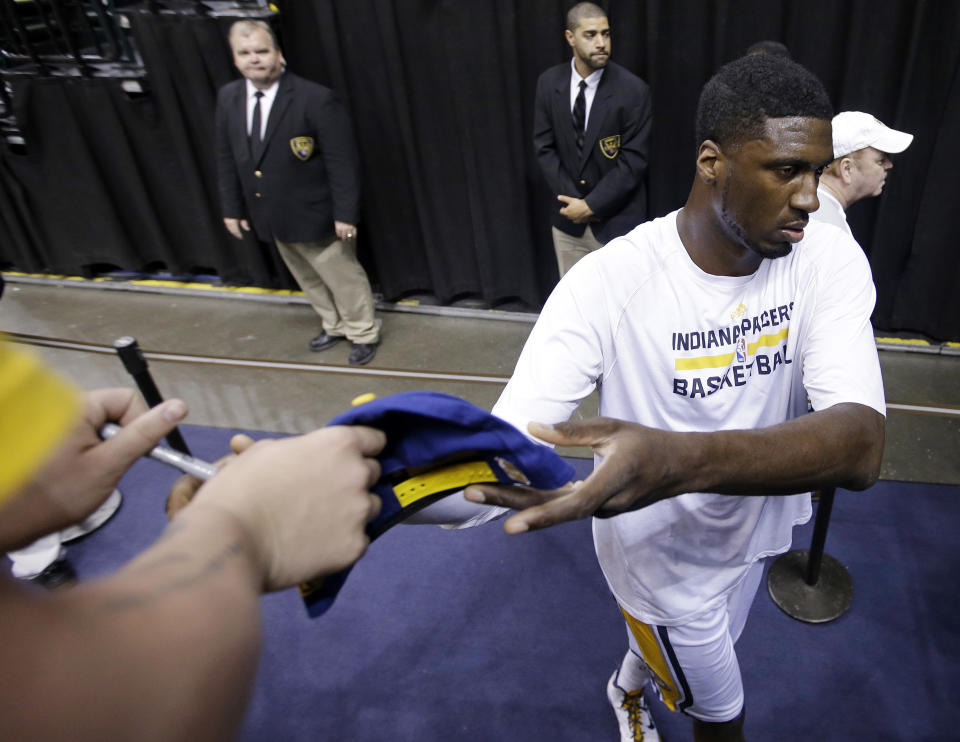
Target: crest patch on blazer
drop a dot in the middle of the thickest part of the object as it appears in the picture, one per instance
(303, 147)
(610, 146)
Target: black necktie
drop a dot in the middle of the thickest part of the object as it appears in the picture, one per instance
(580, 114)
(255, 137)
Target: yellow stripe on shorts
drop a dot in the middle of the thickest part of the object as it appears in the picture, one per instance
(652, 654)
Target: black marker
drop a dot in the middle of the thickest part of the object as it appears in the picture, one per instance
(136, 366)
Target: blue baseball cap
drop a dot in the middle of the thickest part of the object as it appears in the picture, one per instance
(437, 444)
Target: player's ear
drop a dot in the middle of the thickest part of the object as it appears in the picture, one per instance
(568, 34)
(710, 162)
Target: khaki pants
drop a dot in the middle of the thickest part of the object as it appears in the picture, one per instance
(336, 285)
(570, 249)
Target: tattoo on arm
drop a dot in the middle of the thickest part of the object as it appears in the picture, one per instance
(183, 579)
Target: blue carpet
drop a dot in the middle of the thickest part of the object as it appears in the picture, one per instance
(476, 636)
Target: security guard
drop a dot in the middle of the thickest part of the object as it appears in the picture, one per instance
(591, 136)
(287, 164)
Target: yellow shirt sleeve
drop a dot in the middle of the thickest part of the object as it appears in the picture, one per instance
(37, 410)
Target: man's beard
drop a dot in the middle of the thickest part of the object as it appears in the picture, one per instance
(733, 228)
(595, 64)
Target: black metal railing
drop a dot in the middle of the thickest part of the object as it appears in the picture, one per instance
(82, 38)
(86, 37)
(49, 35)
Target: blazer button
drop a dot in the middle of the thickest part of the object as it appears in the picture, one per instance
(257, 195)
(583, 182)
(257, 173)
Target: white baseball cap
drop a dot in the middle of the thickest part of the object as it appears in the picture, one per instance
(853, 130)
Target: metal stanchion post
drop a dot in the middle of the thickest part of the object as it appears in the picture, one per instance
(809, 585)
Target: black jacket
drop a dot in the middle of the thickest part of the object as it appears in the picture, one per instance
(610, 172)
(306, 173)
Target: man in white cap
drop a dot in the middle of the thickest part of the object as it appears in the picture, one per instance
(862, 145)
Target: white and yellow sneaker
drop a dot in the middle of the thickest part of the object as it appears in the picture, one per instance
(633, 714)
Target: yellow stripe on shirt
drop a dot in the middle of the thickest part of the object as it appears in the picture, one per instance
(725, 359)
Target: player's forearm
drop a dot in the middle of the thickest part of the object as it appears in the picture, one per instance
(840, 446)
(171, 640)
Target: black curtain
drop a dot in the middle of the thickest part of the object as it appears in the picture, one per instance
(441, 94)
(110, 178)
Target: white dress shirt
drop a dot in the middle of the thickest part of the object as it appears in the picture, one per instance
(830, 211)
(266, 103)
(592, 80)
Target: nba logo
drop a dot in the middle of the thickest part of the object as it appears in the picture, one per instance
(741, 351)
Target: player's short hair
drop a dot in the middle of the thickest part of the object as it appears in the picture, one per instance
(246, 27)
(581, 11)
(736, 102)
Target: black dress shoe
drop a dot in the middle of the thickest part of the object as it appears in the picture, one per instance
(57, 575)
(362, 354)
(324, 341)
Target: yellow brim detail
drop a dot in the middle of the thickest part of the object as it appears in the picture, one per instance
(453, 477)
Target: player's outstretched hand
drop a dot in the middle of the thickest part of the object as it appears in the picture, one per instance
(303, 502)
(635, 472)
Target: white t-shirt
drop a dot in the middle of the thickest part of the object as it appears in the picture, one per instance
(672, 347)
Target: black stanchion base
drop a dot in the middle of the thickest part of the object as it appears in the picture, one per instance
(824, 601)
